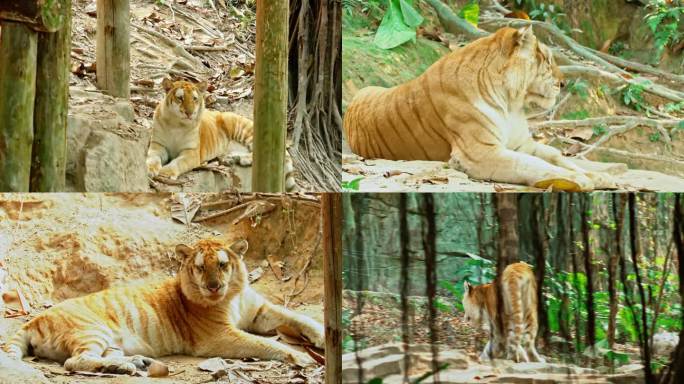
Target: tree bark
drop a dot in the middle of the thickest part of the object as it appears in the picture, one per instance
(405, 281)
(676, 372)
(612, 278)
(332, 234)
(112, 50)
(575, 270)
(48, 165)
(44, 16)
(430, 247)
(18, 47)
(270, 96)
(315, 91)
(540, 264)
(643, 336)
(588, 270)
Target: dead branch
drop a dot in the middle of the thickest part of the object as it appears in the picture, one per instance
(607, 120)
(454, 24)
(638, 67)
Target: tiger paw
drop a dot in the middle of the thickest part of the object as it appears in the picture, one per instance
(244, 159)
(300, 359)
(140, 362)
(316, 334)
(121, 368)
(153, 166)
(602, 180)
(169, 171)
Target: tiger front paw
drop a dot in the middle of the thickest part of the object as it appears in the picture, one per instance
(154, 165)
(316, 334)
(602, 180)
(300, 359)
(169, 171)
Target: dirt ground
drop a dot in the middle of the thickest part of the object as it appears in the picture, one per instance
(57, 246)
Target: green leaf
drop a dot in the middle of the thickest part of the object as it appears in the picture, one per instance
(398, 25)
(470, 13)
(352, 185)
(377, 380)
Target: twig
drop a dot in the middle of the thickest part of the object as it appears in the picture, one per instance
(608, 120)
(638, 67)
(552, 112)
(201, 48)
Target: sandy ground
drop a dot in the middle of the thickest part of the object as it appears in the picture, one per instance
(58, 246)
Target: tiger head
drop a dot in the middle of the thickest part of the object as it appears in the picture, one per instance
(474, 305)
(212, 271)
(184, 100)
(532, 69)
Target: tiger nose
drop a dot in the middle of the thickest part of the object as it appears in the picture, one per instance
(562, 84)
(214, 286)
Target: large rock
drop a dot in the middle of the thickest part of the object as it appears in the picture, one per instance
(105, 147)
(18, 372)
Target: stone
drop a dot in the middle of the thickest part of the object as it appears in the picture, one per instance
(630, 368)
(664, 343)
(17, 372)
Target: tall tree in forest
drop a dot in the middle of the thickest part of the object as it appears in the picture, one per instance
(643, 336)
(404, 288)
(612, 276)
(586, 208)
(575, 270)
(360, 203)
(507, 215)
(537, 215)
(315, 91)
(675, 372)
(430, 248)
(561, 255)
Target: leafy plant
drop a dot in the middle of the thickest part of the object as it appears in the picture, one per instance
(352, 185)
(654, 137)
(600, 129)
(617, 48)
(633, 96)
(398, 25)
(579, 87)
(544, 12)
(663, 22)
(577, 115)
(471, 12)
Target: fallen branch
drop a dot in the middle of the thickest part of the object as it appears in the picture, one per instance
(607, 120)
(638, 67)
(454, 24)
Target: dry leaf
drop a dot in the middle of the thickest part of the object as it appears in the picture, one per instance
(276, 266)
(389, 174)
(436, 180)
(255, 274)
(158, 369)
(582, 134)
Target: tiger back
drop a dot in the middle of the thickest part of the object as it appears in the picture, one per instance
(207, 310)
(519, 321)
(468, 109)
(185, 134)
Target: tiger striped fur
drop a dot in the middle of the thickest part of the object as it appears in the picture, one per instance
(207, 310)
(519, 314)
(468, 109)
(185, 134)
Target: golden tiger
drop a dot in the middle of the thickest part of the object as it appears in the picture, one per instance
(519, 315)
(468, 109)
(207, 310)
(185, 134)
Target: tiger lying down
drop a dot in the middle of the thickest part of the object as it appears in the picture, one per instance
(517, 338)
(468, 109)
(207, 310)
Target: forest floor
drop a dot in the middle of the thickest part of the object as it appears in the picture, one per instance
(377, 329)
(186, 39)
(59, 246)
(642, 150)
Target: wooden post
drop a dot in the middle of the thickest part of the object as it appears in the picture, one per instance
(17, 92)
(48, 165)
(332, 281)
(270, 95)
(112, 51)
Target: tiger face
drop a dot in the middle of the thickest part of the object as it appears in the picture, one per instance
(475, 313)
(184, 99)
(540, 76)
(212, 271)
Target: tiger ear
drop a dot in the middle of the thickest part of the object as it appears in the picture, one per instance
(202, 86)
(183, 251)
(239, 247)
(467, 286)
(525, 41)
(167, 84)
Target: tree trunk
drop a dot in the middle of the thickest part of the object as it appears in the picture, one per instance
(18, 49)
(507, 215)
(430, 248)
(540, 264)
(612, 278)
(643, 337)
(675, 373)
(112, 49)
(561, 248)
(358, 255)
(575, 270)
(48, 165)
(405, 281)
(588, 270)
(332, 269)
(270, 96)
(315, 91)
(45, 16)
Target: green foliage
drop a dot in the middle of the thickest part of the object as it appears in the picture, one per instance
(579, 87)
(617, 48)
(633, 96)
(551, 13)
(399, 24)
(600, 129)
(581, 114)
(654, 137)
(663, 21)
(352, 185)
(471, 12)
(674, 107)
